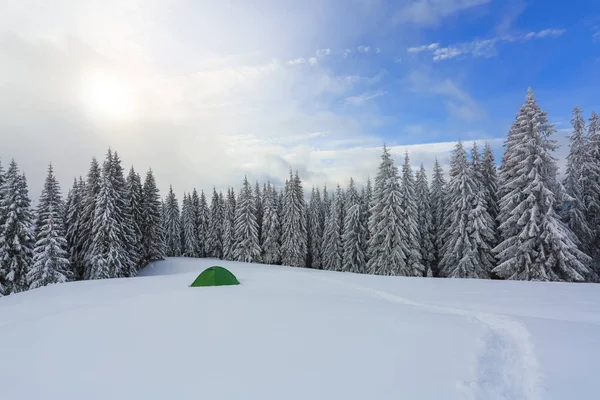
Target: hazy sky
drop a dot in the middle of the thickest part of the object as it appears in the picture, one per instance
(206, 91)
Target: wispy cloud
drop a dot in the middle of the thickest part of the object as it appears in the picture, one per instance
(480, 47)
(323, 52)
(312, 61)
(363, 49)
(363, 98)
(431, 12)
(377, 50)
(398, 60)
(422, 48)
(297, 61)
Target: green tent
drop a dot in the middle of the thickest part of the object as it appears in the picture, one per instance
(215, 276)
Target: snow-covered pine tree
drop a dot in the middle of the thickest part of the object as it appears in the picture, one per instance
(271, 234)
(592, 188)
(294, 235)
(535, 243)
(16, 232)
(387, 248)
(490, 182)
(172, 224)
(73, 225)
(90, 194)
(438, 187)
(229, 239)
(258, 206)
(575, 181)
(353, 256)
(365, 211)
(50, 256)
(460, 255)
(109, 256)
(315, 227)
(202, 219)
(135, 195)
(153, 235)
(214, 241)
(247, 247)
(332, 236)
(326, 206)
(409, 217)
(425, 220)
(188, 227)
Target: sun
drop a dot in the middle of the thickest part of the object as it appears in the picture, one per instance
(106, 95)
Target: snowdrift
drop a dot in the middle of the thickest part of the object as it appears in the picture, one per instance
(289, 333)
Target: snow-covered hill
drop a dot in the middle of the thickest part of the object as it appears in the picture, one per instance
(288, 333)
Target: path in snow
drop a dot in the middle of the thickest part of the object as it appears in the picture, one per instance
(505, 365)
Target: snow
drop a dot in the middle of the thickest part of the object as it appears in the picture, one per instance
(291, 333)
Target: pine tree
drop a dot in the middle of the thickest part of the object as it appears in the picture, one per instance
(247, 247)
(153, 235)
(271, 233)
(438, 207)
(353, 258)
(109, 254)
(92, 190)
(425, 220)
(16, 232)
(172, 225)
(387, 249)
(315, 227)
(50, 256)
(214, 241)
(134, 198)
(258, 206)
(460, 252)
(332, 237)
(229, 239)
(535, 243)
(575, 181)
(490, 182)
(294, 246)
(365, 211)
(73, 226)
(188, 227)
(591, 190)
(409, 216)
(202, 215)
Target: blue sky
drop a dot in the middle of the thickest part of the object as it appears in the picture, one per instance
(205, 92)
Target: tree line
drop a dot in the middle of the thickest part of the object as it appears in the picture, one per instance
(517, 221)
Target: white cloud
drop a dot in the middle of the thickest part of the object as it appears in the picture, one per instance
(398, 60)
(431, 12)
(347, 52)
(323, 52)
(297, 61)
(480, 47)
(312, 61)
(377, 50)
(363, 98)
(425, 47)
(363, 49)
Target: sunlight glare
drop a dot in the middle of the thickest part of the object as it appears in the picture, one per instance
(106, 95)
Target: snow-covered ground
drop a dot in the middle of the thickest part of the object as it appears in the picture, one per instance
(288, 333)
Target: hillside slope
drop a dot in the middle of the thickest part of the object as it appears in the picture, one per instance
(288, 333)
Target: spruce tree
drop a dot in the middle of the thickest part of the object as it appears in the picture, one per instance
(460, 255)
(387, 248)
(425, 220)
(16, 232)
(365, 211)
(50, 256)
(258, 206)
(409, 217)
(332, 237)
(353, 258)
(490, 181)
(229, 239)
(575, 213)
(315, 227)
(214, 240)
(438, 207)
(188, 228)
(73, 226)
(202, 219)
(134, 198)
(591, 190)
(172, 225)
(535, 243)
(247, 247)
(153, 235)
(294, 246)
(271, 233)
(90, 194)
